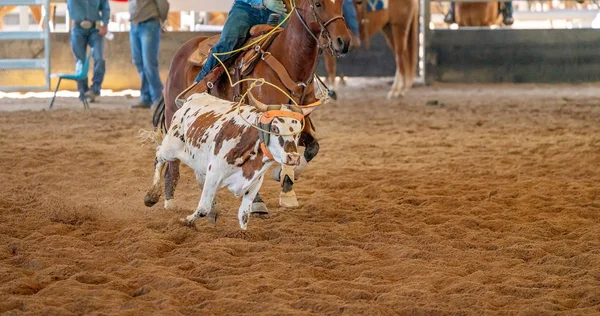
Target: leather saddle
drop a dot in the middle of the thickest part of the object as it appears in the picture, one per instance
(250, 55)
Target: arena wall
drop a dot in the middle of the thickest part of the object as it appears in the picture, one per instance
(467, 56)
(120, 72)
(520, 56)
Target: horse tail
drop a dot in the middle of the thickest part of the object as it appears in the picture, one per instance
(159, 118)
(413, 41)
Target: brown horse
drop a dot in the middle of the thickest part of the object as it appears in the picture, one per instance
(477, 14)
(36, 12)
(400, 26)
(296, 48)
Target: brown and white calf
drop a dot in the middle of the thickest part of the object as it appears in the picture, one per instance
(210, 136)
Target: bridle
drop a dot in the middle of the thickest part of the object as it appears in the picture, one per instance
(323, 25)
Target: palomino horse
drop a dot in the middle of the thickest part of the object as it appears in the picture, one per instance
(36, 12)
(296, 49)
(477, 14)
(400, 25)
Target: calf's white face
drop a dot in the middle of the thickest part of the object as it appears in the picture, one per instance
(283, 144)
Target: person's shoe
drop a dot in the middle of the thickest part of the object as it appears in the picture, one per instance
(449, 17)
(91, 96)
(508, 20)
(140, 105)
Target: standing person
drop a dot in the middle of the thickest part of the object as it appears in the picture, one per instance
(90, 21)
(146, 18)
(349, 12)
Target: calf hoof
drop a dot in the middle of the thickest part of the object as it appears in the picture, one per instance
(188, 221)
(153, 195)
(244, 221)
(259, 208)
(288, 200)
(150, 199)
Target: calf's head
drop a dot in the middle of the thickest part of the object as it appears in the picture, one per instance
(284, 124)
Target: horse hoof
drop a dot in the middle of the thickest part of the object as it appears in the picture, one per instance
(288, 200)
(170, 204)
(332, 94)
(395, 94)
(276, 173)
(151, 199)
(259, 208)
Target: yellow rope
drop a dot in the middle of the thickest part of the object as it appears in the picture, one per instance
(262, 81)
(256, 82)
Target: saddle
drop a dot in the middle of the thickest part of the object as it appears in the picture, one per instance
(200, 55)
(242, 63)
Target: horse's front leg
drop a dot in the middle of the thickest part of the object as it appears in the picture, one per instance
(286, 175)
(171, 179)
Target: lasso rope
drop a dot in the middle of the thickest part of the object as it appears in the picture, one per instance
(256, 82)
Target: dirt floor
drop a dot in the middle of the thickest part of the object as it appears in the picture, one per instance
(458, 199)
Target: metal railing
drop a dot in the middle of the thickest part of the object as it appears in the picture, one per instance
(426, 30)
(42, 63)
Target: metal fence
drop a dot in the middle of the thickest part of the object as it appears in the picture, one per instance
(42, 63)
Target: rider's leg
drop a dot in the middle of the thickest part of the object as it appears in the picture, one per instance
(349, 12)
(449, 18)
(235, 31)
(507, 13)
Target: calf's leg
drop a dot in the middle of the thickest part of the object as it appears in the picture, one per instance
(246, 206)
(212, 183)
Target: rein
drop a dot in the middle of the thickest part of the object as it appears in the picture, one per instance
(323, 26)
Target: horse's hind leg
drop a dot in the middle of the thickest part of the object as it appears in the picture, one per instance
(171, 179)
(399, 34)
(331, 68)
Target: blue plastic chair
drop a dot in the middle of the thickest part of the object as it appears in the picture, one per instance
(81, 70)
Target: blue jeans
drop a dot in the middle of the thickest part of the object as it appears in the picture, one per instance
(144, 39)
(349, 12)
(242, 17)
(80, 39)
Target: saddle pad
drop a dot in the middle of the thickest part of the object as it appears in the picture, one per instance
(376, 5)
(199, 56)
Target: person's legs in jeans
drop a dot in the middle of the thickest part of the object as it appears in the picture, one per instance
(235, 31)
(507, 13)
(136, 54)
(349, 12)
(97, 43)
(79, 40)
(449, 18)
(150, 39)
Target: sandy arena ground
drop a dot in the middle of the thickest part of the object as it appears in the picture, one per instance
(454, 200)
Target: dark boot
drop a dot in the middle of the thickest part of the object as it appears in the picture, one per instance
(507, 14)
(449, 17)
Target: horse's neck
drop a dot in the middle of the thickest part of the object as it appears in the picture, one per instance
(296, 50)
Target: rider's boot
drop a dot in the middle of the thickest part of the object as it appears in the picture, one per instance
(449, 17)
(507, 14)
